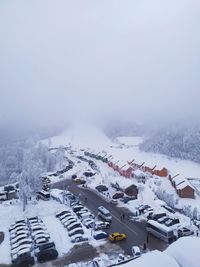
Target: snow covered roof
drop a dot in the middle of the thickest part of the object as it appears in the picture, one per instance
(152, 259)
(181, 182)
(139, 173)
(185, 251)
(183, 185)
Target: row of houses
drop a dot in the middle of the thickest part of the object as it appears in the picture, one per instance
(182, 186)
(127, 168)
(141, 171)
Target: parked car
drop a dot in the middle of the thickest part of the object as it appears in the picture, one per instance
(68, 219)
(89, 223)
(79, 238)
(113, 201)
(136, 251)
(19, 233)
(117, 237)
(60, 213)
(17, 226)
(23, 259)
(69, 222)
(101, 188)
(100, 235)
(74, 225)
(47, 255)
(47, 245)
(17, 239)
(185, 231)
(101, 225)
(118, 195)
(79, 181)
(171, 222)
(76, 231)
(77, 208)
(126, 199)
(21, 242)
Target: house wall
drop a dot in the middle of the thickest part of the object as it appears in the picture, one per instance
(186, 192)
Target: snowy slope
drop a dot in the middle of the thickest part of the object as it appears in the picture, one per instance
(80, 136)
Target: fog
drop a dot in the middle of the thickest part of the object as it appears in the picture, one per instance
(64, 61)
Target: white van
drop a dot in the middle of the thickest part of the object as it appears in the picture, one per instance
(104, 214)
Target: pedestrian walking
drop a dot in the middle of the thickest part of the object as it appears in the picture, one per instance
(197, 233)
(147, 238)
(144, 246)
(123, 216)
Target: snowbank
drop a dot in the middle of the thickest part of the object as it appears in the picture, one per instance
(153, 259)
(186, 251)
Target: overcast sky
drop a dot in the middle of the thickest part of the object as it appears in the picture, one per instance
(69, 59)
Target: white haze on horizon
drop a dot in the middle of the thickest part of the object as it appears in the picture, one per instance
(64, 60)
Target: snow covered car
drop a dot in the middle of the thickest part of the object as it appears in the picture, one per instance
(21, 242)
(100, 235)
(73, 226)
(19, 233)
(86, 215)
(35, 233)
(16, 226)
(79, 238)
(21, 228)
(101, 225)
(60, 213)
(65, 220)
(78, 230)
(15, 252)
(62, 217)
(117, 237)
(41, 235)
(17, 239)
(136, 251)
(88, 223)
(72, 220)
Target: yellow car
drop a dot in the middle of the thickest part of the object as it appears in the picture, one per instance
(117, 237)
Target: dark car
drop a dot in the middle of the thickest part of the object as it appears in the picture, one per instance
(89, 174)
(100, 235)
(24, 260)
(74, 176)
(101, 188)
(47, 255)
(45, 246)
(126, 199)
(118, 195)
